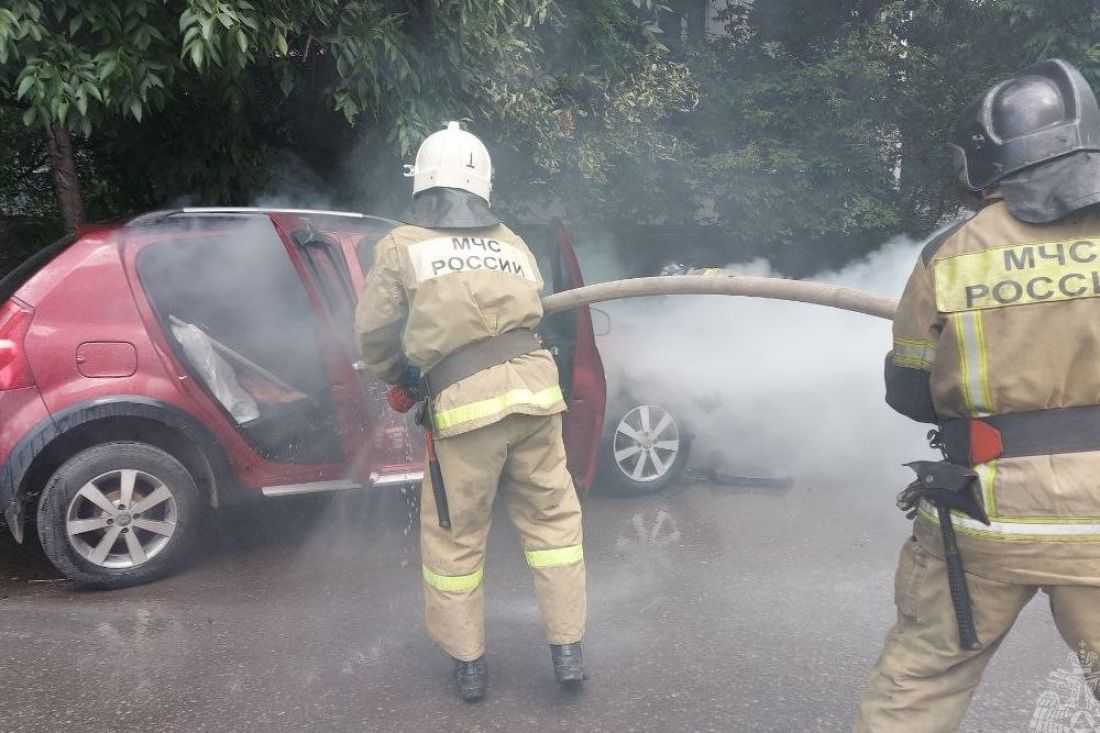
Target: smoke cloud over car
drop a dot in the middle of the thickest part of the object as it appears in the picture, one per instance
(772, 389)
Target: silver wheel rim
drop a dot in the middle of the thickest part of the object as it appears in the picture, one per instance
(121, 519)
(646, 443)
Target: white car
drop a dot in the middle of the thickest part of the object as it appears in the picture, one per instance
(646, 440)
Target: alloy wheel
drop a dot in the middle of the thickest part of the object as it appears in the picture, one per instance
(646, 443)
(121, 519)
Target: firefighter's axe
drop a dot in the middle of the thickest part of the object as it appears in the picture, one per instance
(947, 487)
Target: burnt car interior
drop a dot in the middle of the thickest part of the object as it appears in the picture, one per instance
(237, 315)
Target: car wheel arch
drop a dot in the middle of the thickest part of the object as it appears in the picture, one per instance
(44, 449)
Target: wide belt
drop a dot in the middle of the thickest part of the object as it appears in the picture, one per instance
(480, 355)
(969, 442)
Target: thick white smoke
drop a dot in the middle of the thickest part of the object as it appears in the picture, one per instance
(772, 388)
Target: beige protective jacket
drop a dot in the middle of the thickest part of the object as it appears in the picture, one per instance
(1002, 316)
(431, 291)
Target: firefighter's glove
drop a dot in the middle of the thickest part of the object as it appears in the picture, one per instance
(410, 378)
(943, 484)
(909, 500)
(400, 399)
(404, 395)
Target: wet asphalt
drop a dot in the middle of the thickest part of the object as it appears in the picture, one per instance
(712, 608)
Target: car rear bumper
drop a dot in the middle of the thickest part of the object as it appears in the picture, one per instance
(25, 428)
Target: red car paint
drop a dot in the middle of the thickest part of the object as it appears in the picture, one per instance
(589, 389)
(82, 347)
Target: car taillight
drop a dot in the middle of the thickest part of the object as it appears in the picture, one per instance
(15, 321)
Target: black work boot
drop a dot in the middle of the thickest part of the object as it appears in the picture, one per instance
(568, 666)
(471, 678)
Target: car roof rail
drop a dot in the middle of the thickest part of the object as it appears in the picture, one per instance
(265, 210)
(159, 216)
(152, 217)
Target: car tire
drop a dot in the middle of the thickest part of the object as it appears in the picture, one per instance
(118, 514)
(645, 451)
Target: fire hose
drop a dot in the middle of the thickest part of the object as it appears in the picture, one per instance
(941, 495)
(801, 291)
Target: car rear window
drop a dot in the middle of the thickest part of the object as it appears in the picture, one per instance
(15, 279)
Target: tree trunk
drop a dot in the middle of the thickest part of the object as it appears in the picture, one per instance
(64, 176)
(696, 14)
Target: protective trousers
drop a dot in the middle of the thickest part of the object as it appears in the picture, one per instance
(525, 455)
(922, 681)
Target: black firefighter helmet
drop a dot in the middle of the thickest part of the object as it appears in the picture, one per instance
(1037, 136)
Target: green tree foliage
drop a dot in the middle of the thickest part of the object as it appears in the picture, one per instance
(953, 52)
(807, 131)
(796, 159)
(823, 125)
(208, 100)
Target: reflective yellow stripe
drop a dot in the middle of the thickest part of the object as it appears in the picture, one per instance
(486, 408)
(554, 558)
(983, 363)
(964, 362)
(1057, 530)
(901, 361)
(977, 395)
(914, 354)
(453, 583)
(1047, 520)
(973, 363)
(987, 477)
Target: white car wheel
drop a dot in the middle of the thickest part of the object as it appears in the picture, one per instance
(646, 451)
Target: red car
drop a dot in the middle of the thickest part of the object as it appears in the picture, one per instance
(156, 368)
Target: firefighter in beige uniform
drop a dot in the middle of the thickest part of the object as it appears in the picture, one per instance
(445, 287)
(997, 340)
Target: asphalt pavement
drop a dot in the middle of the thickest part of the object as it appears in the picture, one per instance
(712, 608)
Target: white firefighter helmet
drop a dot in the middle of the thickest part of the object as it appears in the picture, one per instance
(452, 158)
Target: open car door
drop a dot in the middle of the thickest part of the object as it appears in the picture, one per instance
(579, 363)
(375, 440)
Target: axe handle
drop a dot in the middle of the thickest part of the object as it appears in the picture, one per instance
(956, 580)
(435, 473)
(443, 512)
